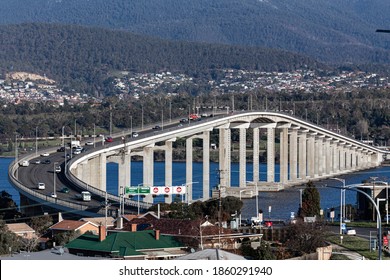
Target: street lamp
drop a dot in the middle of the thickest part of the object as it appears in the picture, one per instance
(241, 191)
(54, 179)
(138, 195)
(257, 197)
(36, 141)
(187, 185)
(379, 225)
(342, 197)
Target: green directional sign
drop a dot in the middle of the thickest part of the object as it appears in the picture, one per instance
(137, 190)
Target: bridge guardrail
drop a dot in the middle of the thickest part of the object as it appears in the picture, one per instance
(12, 177)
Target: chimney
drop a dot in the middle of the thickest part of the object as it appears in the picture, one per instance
(133, 227)
(60, 219)
(102, 233)
(157, 234)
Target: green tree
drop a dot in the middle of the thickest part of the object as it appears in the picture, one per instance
(41, 223)
(8, 240)
(310, 201)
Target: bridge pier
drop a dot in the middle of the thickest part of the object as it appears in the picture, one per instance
(307, 152)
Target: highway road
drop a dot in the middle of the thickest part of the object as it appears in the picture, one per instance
(44, 172)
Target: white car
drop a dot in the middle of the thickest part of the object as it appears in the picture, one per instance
(134, 134)
(58, 169)
(54, 195)
(45, 155)
(89, 143)
(41, 186)
(350, 231)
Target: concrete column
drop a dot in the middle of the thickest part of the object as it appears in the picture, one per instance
(123, 171)
(189, 175)
(293, 154)
(206, 164)
(168, 169)
(102, 172)
(242, 160)
(336, 157)
(148, 170)
(256, 152)
(342, 158)
(353, 162)
(302, 154)
(310, 155)
(328, 156)
(271, 154)
(284, 155)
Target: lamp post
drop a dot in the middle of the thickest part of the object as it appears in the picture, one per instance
(16, 155)
(187, 185)
(36, 141)
(379, 225)
(257, 197)
(54, 179)
(138, 195)
(342, 193)
(241, 191)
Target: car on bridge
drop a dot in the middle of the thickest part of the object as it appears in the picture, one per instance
(134, 134)
(41, 186)
(45, 154)
(65, 190)
(109, 139)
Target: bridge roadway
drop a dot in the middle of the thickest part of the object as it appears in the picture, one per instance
(25, 179)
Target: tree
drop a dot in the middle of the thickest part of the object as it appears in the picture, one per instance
(41, 224)
(8, 207)
(8, 240)
(304, 238)
(310, 201)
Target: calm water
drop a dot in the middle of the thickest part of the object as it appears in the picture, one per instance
(282, 203)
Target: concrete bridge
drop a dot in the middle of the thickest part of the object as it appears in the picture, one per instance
(307, 152)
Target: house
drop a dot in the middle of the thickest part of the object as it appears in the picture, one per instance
(109, 222)
(140, 245)
(193, 233)
(74, 226)
(22, 229)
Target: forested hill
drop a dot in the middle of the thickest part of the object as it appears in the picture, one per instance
(332, 31)
(81, 56)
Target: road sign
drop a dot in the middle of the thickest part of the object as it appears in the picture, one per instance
(137, 190)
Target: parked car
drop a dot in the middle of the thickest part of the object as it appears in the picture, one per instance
(41, 186)
(349, 231)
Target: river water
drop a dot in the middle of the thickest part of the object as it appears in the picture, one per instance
(282, 203)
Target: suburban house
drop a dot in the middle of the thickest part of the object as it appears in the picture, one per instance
(22, 229)
(138, 245)
(192, 233)
(74, 226)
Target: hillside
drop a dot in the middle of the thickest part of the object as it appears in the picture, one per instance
(332, 31)
(81, 57)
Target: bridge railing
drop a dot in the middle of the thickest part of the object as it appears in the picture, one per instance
(12, 171)
(111, 197)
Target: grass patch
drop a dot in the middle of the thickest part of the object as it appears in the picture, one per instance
(357, 244)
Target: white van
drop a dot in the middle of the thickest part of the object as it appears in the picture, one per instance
(24, 163)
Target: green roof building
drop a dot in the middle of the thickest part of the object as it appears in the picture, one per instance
(148, 244)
